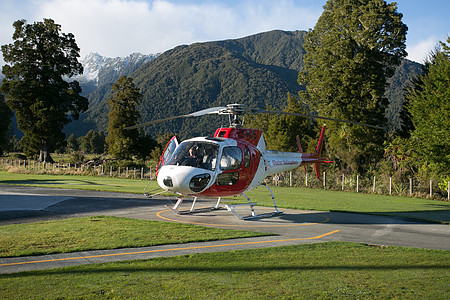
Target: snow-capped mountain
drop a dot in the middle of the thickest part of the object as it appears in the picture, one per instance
(100, 70)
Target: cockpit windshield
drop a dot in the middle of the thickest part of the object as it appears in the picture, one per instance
(195, 154)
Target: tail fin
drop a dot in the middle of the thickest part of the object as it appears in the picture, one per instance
(314, 158)
(320, 143)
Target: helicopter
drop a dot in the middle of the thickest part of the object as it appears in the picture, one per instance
(230, 163)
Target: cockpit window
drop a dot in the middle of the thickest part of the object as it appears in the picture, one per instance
(231, 158)
(195, 154)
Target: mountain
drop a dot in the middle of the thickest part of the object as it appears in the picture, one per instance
(99, 70)
(99, 74)
(257, 71)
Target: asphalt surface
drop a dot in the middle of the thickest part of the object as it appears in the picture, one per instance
(32, 204)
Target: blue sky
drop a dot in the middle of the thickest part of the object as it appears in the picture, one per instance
(121, 27)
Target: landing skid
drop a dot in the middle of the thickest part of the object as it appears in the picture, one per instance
(193, 210)
(229, 207)
(253, 216)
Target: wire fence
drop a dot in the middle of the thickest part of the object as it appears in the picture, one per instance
(384, 185)
(27, 166)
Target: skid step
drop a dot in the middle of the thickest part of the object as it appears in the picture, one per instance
(232, 208)
(197, 210)
(266, 215)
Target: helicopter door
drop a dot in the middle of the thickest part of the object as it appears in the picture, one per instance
(168, 151)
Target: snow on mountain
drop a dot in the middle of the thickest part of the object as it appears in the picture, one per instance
(96, 66)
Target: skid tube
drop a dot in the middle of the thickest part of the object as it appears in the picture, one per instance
(253, 216)
(193, 210)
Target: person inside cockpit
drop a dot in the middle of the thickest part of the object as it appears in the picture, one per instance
(192, 159)
(195, 154)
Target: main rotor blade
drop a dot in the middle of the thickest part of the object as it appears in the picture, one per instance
(208, 111)
(317, 117)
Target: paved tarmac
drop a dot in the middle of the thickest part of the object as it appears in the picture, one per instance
(32, 204)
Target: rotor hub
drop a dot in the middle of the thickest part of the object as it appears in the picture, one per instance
(235, 111)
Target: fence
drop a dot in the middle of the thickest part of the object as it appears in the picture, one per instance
(298, 178)
(386, 185)
(78, 169)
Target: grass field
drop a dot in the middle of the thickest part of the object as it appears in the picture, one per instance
(296, 198)
(332, 270)
(316, 271)
(103, 232)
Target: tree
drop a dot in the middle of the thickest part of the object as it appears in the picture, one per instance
(72, 143)
(122, 143)
(92, 142)
(351, 52)
(5, 124)
(145, 146)
(38, 61)
(429, 107)
(280, 132)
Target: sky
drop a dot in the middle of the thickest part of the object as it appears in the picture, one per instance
(121, 27)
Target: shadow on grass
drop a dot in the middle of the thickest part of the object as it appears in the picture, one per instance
(48, 182)
(244, 269)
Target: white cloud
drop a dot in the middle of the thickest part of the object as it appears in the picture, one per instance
(121, 27)
(419, 51)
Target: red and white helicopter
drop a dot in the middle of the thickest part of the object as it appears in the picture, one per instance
(230, 163)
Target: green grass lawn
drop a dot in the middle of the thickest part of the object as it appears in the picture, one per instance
(334, 270)
(326, 200)
(103, 232)
(296, 198)
(315, 271)
(92, 183)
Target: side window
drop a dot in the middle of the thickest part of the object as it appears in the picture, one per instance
(231, 158)
(246, 157)
(227, 178)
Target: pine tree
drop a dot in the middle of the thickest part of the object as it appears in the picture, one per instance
(280, 131)
(351, 52)
(126, 98)
(429, 107)
(5, 123)
(37, 63)
(283, 130)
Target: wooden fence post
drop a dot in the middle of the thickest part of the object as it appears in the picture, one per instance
(390, 185)
(431, 188)
(357, 183)
(448, 190)
(410, 186)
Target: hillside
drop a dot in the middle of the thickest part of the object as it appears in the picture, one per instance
(100, 73)
(258, 70)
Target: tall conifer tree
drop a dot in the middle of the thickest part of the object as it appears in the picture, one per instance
(5, 123)
(351, 52)
(37, 64)
(429, 107)
(124, 112)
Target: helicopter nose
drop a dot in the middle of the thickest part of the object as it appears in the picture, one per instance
(183, 180)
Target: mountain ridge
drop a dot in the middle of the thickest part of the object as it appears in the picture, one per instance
(258, 71)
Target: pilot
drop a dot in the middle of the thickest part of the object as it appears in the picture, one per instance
(193, 160)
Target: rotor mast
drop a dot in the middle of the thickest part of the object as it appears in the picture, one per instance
(236, 113)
